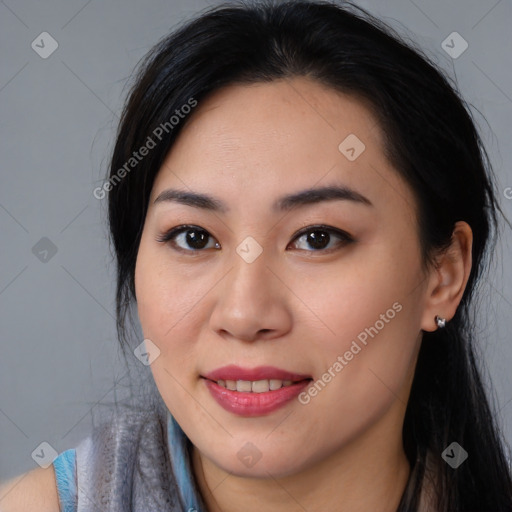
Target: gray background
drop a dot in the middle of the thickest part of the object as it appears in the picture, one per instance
(59, 359)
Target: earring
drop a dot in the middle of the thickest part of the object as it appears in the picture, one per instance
(441, 322)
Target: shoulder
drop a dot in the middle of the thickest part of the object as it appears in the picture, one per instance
(34, 490)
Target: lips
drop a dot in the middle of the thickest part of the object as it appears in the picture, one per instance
(254, 392)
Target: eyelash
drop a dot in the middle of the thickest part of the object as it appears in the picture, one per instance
(168, 236)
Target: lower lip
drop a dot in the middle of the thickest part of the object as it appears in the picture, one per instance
(254, 404)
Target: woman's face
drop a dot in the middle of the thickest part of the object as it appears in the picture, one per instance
(257, 284)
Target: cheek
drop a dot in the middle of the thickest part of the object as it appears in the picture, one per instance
(162, 306)
(356, 295)
(164, 295)
(369, 339)
(162, 311)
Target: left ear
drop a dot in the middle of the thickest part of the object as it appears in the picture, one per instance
(447, 281)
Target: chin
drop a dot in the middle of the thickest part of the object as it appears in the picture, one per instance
(251, 462)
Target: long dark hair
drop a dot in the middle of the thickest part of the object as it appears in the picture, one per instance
(431, 140)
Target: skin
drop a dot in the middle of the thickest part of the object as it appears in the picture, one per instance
(294, 307)
(34, 490)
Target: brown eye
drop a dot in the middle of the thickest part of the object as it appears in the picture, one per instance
(318, 238)
(188, 238)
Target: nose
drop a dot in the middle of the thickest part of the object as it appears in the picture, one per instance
(252, 302)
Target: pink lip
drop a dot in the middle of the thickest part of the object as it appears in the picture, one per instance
(254, 404)
(250, 404)
(233, 372)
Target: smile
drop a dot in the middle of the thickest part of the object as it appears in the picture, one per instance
(255, 386)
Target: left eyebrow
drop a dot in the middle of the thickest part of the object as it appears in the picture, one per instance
(285, 203)
(317, 195)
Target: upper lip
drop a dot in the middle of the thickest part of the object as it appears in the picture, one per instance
(233, 372)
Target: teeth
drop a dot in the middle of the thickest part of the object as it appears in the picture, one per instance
(231, 384)
(243, 385)
(275, 384)
(255, 386)
(260, 386)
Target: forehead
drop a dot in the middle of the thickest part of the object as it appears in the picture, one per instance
(250, 140)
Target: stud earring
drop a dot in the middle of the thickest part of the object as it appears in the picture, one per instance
(441, 322)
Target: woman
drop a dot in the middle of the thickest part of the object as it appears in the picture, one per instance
(300, 207)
